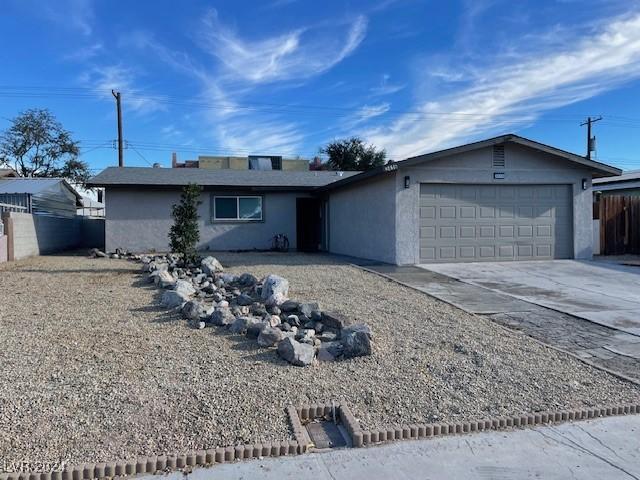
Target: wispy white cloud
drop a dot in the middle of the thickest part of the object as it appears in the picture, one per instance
(76, 14)
(297, 54)
(87, 52)
(275, 137)
(170, 131)
(280, 3)
(514, 89)
(368, 112)
(118, 77)
(385, 87)
(243, 66)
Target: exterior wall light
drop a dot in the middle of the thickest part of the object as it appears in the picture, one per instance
(585, 183)
(407, 182)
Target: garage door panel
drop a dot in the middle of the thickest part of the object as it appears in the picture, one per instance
(428, 232)
(448, 231)
(467, 211)
(427, 212)
(487, 231)
(487, 212)
(428, 253)
(507, 211)
(495, 222)
(448, 211)
(543, 231)
(506, 231)
(505, 251)
(467, 252)
(467, 231)
(448, 252)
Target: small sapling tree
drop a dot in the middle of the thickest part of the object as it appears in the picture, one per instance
(185, 233)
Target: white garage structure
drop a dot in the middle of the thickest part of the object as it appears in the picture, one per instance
(503, 199)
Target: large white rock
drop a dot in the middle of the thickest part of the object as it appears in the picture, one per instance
(296, 353)
(184, 287)
(165, 279)
(193, 310)
(222, 316)
(211, 265)
(275, 290)
(269, 336)
(173, 299)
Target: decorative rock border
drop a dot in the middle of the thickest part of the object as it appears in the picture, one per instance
(302, 443)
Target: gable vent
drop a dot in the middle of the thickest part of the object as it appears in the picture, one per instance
(498, 156)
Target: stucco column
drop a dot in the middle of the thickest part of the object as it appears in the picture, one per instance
(407, 241)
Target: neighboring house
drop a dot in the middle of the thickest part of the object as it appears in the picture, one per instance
(44, 196)
(90, 208)
(626, 184)
(505, 198)
(251, 162)
(39, 216)
(7, 173)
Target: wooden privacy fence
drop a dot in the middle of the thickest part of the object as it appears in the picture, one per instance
(619, 224)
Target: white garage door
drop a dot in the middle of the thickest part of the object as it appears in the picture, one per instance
(474, 223)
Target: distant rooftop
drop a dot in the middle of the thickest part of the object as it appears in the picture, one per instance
(628, 176)
(278, 179)
(7, 172)
(32, 185)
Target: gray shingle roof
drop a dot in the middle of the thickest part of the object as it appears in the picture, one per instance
(630, 175)
(121, 176)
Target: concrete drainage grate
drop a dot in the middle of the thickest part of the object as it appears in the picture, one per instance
(322, 426)
(326, 434)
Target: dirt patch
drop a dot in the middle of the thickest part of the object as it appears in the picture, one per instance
(94, 370)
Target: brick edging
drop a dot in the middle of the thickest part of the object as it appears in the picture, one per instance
(619, 375)
(416, 431)
(163, 463)
(302, 443)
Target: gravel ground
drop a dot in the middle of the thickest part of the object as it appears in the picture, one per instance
(93, 370)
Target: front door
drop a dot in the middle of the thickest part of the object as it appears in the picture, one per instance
(308, 224)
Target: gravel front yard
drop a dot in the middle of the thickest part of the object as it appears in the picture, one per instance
(94, 370)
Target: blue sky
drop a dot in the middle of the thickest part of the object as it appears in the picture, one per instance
(287, 76)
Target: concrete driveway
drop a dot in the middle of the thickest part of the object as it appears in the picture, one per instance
(601, 292)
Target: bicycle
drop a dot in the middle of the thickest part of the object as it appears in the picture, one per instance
(280, 243)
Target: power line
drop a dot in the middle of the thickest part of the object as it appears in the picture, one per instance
(139, 154)
(260, 106)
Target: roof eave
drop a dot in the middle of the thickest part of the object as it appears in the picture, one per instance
(171, 186)
(386, 169)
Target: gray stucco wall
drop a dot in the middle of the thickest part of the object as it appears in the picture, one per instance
(41, 234)
(362, 220)
(523, 165)
(139, 221)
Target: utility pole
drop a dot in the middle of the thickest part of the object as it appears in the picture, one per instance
(117, 96)
(591, 141)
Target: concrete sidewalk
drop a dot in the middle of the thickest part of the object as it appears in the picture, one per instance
(607, 448)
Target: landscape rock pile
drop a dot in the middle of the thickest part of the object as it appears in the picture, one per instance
(261, 309)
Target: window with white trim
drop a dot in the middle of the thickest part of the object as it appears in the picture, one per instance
(237, 208)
